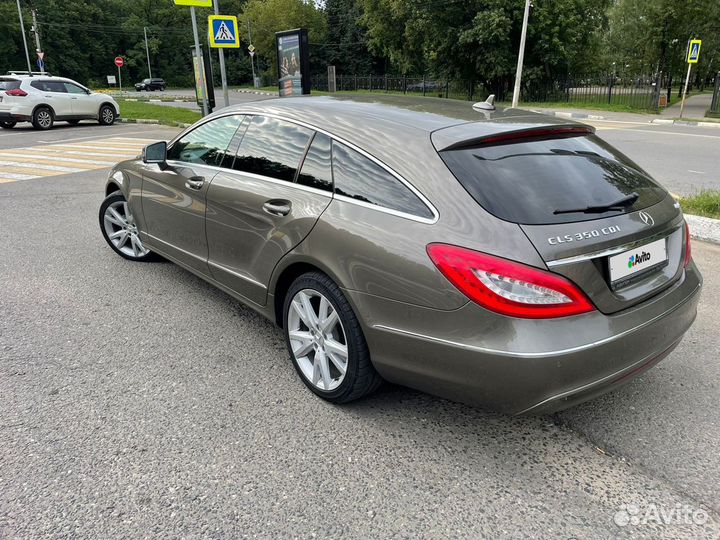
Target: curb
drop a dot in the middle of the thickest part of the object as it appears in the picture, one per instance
(256, 92)
(704, 228)
(667, 121)
(153, 122)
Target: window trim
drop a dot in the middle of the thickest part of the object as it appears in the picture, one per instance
(406, 183)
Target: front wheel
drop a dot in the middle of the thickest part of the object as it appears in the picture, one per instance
(7, 125)
(106, 116)
(325, 340)
(120, 230)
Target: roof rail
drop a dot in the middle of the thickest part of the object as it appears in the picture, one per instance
(31, 73)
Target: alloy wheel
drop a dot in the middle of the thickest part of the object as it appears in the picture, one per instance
(44, 118)
(317, 340)
(122, 231)
(108, 116)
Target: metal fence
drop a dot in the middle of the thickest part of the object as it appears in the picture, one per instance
(640, 92)
(715, 103)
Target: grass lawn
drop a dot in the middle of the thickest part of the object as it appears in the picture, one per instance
(704, 203)
(152, 111)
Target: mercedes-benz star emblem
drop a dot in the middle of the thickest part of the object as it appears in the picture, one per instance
(647, 218)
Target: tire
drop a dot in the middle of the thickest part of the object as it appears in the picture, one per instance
(7, 125)
(106, 116)
(43, 118)
(129, 245)
(306, 352)
(73, 122)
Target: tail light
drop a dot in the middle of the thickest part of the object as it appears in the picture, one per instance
(688, 248)
(17, 92)
(507, 287)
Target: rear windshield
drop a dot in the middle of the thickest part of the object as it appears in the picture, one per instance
(529, 180)
(9, 84)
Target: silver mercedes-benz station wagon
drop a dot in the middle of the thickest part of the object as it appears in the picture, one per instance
(496, 257)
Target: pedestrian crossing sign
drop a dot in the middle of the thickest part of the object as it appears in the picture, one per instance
(694, 51)
(223, 30)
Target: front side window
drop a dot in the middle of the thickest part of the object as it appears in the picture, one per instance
(316, 170)
(360, 178)
(272, 148)
(206, 144)
(74, 89)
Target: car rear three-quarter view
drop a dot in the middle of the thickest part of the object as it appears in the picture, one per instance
(501, 258)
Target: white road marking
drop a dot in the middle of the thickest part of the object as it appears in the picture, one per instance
(17, 176)
(696, 172)
(38, 166)
(104, 147)
(4, 154)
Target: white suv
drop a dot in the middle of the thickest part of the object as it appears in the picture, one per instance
(43, 99)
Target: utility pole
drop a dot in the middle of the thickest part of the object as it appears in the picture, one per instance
(22, 29)
(147, 52)
(521, 56)
(221, 54)
(252, 55)
(38, 49)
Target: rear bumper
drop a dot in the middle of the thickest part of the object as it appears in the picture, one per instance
(524, 366)
(7, 116)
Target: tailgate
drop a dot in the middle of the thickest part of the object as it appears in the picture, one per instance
(617, 261)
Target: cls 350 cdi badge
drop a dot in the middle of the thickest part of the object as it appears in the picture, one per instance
(494, 257)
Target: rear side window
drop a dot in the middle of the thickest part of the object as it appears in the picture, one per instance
(316, 170)
(362, 179)
(528, 180)
(9, 84)
(49, 86)
(272, 148)
(207, 143)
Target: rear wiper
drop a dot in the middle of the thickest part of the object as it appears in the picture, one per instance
(618, 205)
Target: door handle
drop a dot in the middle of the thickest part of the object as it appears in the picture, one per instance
(277, 207)
(73, 98)
(195, 182)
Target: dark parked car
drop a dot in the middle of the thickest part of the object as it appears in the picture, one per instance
(150, 85)
(495, 257)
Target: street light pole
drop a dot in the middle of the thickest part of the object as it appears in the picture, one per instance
(37, 41)
(521, 56)
(221, 54)
(22, 29)
(147, 52)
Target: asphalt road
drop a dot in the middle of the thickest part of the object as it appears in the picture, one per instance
(140, 402)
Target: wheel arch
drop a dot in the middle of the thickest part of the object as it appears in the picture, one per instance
(281, 283)
(45, 106)
(111, 105)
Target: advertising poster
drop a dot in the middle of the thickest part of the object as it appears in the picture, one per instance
(292, 63)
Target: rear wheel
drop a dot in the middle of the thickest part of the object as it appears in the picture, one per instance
(325, 341)
(43, 118)
(120, 230)
(106, 116)
(7, 125)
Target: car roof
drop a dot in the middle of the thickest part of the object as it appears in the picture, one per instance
(372, 121)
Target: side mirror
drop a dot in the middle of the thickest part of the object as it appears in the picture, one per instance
(155, 153)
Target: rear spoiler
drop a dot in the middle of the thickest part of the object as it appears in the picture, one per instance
(485, 133)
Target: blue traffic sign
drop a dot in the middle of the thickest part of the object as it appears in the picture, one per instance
(41, 64)
(223, 31)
